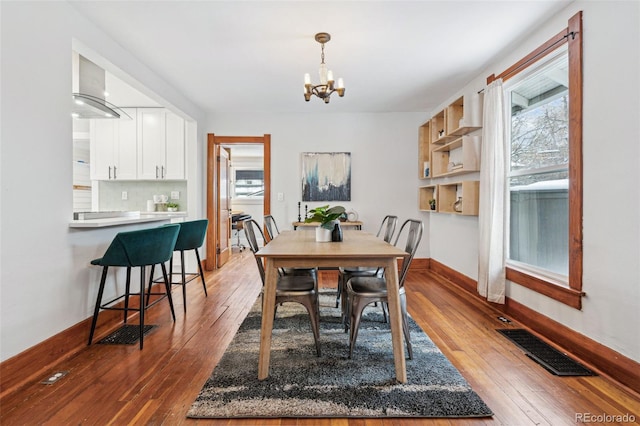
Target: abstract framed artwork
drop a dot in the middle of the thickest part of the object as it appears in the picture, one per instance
(326, 176)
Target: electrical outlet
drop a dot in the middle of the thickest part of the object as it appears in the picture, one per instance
(54, 377)
(175, 195)
(125, 196)
(280, 196)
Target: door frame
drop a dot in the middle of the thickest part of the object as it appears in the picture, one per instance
(213, 142)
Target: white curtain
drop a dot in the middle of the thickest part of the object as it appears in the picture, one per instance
(491, 261)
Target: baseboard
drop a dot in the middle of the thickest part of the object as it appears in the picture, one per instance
(602, 358)
(38, 361)
(419, 264)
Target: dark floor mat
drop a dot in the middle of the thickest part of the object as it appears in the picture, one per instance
(128, 334)
(551, 359)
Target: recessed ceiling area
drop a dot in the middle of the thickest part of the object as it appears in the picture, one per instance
(251, 56)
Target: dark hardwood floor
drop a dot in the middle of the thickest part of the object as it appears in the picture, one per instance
(119, 384)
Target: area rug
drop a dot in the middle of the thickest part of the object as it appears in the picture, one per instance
(301, 384)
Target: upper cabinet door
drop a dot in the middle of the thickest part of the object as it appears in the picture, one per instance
(103, 136)
(126, 150)
(174, 149)
(151, 143)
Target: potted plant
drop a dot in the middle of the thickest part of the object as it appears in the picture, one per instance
(326, 216)
(172, 207)
(432, 204)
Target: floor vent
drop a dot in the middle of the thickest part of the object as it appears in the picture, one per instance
(128, 334)
(548, 357)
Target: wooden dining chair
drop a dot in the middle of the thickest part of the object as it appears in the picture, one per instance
(302, 289)
(362, 291)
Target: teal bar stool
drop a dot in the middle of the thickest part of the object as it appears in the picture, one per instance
(147, 247)
(191, 237)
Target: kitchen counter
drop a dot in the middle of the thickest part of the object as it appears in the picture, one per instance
(126, 220)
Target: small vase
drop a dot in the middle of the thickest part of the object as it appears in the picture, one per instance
(457, 206)
(336, 234)
(323, 235)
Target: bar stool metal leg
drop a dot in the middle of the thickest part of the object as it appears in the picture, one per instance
(142, 307)
(204, 284)
(126, 293)
(184, 280)
(167, 285)
(98, 302)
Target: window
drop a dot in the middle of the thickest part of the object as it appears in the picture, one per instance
(248, 184)
(538, 174)
(545, 173)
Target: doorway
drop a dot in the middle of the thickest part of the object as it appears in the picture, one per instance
(218, 247)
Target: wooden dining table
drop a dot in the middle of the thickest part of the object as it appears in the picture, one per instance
(294, 249)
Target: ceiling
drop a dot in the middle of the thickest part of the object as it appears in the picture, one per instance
(250, 56)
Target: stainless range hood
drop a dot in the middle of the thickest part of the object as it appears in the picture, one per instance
(88, 97)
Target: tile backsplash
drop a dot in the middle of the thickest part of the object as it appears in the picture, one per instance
(138, 192)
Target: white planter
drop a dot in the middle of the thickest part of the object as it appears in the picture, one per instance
(323, 235)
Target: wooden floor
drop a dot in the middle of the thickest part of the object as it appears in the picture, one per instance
(119, 384)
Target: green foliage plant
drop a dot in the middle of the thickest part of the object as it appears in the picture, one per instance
(325, 215)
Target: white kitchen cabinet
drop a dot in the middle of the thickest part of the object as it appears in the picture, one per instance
(175, 149)
(113, 153)
(160, 144)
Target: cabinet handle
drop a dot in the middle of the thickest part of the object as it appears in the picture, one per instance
(114, 172)
(156, 172)
(162, 168)
(109, 172)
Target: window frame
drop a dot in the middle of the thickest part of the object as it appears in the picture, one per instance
(234, 194)
(571, 295)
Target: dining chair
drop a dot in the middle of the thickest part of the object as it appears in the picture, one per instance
(146, 247)
(302, 289)
(362, 291)
(387, 228)
(271, 226)
(272, 231)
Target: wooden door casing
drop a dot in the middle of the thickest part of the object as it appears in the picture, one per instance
(223, 210)
(212, 142)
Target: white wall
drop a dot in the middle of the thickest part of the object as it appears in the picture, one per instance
(46, 283)
(611, 159)
(383, 151)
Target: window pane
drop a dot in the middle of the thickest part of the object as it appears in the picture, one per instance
(539, 118)
(249, 183)
(539, 220)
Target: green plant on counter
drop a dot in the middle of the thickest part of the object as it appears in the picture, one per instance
(325, 215)
(173, 206)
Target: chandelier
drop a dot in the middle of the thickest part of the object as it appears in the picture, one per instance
(327, 84)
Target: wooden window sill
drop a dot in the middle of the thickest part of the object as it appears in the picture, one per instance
(564, 295)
